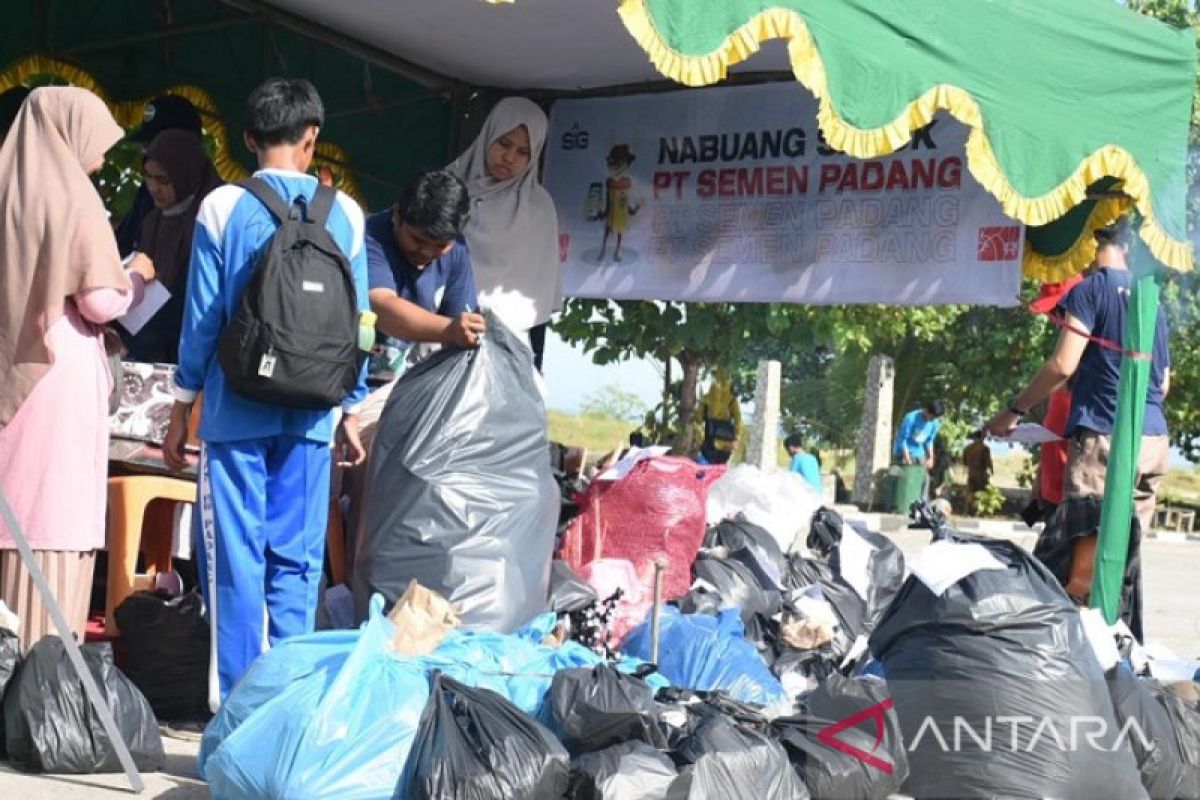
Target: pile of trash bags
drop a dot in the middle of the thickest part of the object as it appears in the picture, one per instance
(342, 714)
(335, 713)
(792, 658)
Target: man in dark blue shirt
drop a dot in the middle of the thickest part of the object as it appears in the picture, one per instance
(1090, 349)
(418, 268)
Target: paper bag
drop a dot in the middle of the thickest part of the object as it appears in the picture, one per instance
(422, 619)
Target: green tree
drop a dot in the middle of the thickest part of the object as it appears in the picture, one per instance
(614, 402)
(697, 335)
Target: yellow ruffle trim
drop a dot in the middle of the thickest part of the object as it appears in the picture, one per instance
(1081, 253)
(129, 114)
(809, 69)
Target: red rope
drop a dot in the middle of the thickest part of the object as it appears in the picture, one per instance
(1107, 344)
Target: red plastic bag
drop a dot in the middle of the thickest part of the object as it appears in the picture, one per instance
(657, 511)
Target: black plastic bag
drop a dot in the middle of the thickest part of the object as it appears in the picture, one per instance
(10, 656)
(727, 761)
(1158, 756)
(851, 610)
(737, 584)
(629, 771)
(1003, 648)
(592, 709)
(461, 496)
(816, 664)
(50, 724)
(881, 576)
(1185, 719)
(699, 600)
(568, 591)
(473, 744)
(739, 533)
(166, 652)
(868, 761)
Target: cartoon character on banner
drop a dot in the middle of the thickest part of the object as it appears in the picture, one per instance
(619, 203)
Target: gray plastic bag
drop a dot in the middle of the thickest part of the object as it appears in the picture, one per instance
(629, 771)
(462, 498)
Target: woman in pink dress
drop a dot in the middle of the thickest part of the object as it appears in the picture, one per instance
(61, 278)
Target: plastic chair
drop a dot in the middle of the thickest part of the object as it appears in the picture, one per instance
(128, 499)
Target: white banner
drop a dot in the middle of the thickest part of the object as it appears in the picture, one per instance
(730, 194)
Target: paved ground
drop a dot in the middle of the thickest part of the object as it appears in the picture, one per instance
(1172, 587)
(177, 782)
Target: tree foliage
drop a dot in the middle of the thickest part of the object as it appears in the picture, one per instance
(614, 402)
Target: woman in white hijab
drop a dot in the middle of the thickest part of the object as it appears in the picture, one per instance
(512, 234)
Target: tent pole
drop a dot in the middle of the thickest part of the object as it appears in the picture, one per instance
(73, 654)
(1113, 545)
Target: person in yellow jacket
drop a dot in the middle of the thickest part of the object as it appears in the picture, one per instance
(721, 416)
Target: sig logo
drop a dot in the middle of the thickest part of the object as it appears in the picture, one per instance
(575, 139)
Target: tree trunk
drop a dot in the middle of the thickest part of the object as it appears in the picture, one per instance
(685, 443)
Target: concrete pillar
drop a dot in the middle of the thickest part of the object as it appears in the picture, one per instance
(763, 449)
(875, 434)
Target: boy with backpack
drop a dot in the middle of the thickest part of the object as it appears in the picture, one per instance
(271, 334)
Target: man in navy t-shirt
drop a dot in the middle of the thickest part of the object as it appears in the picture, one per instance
(419, 271)
(1090, 349)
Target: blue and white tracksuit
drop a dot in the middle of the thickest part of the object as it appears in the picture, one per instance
(264, 470)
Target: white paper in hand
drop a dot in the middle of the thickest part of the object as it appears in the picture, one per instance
(1031, 433)
(153, 299)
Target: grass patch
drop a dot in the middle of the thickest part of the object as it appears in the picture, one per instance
(598, 434)
(1180, 486)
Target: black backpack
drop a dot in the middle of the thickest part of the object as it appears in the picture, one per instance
(294, 339)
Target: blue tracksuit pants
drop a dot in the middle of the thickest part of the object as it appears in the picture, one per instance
(263, 509)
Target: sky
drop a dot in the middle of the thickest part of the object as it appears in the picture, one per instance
(571, 377)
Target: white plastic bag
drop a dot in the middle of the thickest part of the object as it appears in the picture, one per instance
(781, 502)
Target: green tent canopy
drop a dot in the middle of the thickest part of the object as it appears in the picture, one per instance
(1058, 96)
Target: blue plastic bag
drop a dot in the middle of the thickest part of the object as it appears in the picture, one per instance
(347, 737)
(305, 664)
(705, 653)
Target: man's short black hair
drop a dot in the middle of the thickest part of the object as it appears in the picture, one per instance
(1119, 233)
(436, 204)
(280, 110)
(935, 408)
(977, 434)
(795, 440)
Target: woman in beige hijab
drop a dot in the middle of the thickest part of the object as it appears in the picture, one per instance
(60, 279)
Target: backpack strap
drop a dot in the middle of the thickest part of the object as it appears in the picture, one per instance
(321, 204)
(267, 196)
